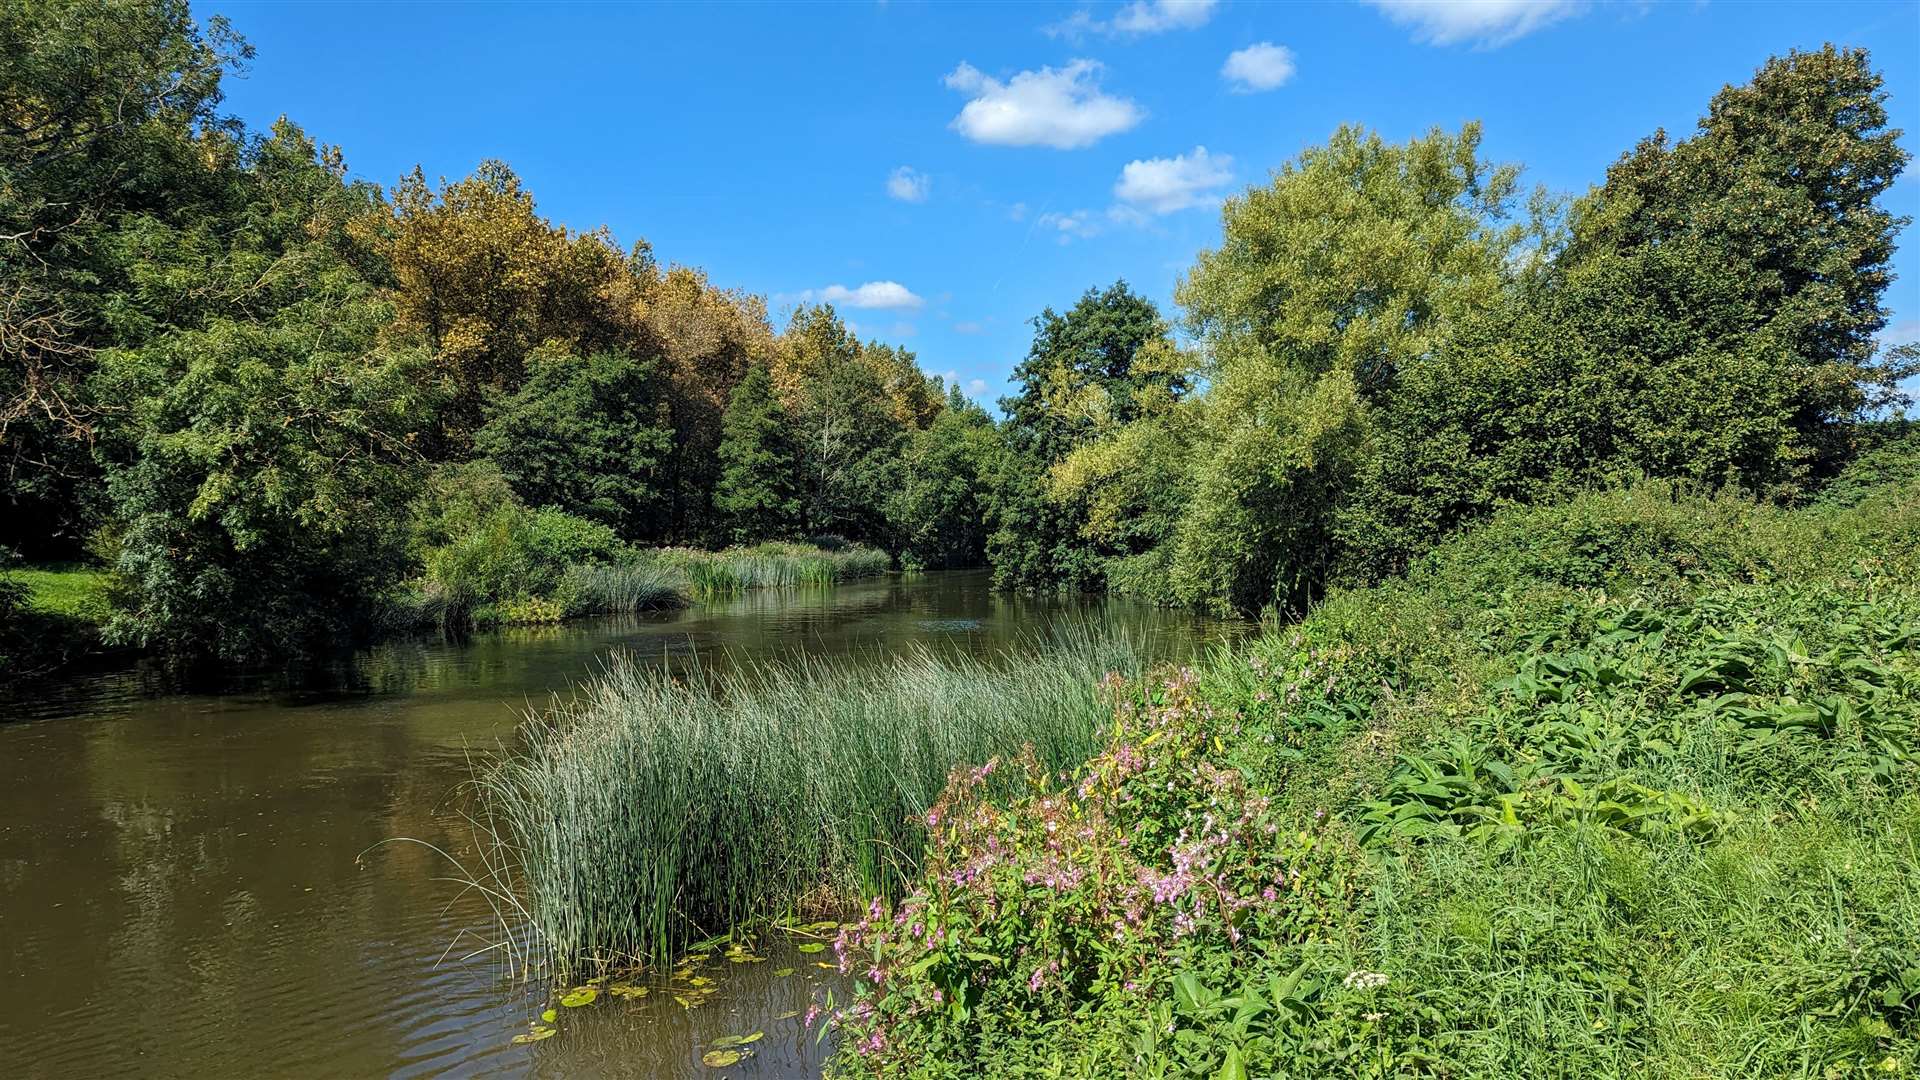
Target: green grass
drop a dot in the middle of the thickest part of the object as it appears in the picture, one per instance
(658, 808)
(773, 565)
(69, 590)
(621, 589)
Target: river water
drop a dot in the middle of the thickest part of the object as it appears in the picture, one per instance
(190, 884)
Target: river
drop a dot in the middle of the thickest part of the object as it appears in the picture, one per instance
(194, 885)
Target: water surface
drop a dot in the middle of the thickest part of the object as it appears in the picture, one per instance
(186, 886)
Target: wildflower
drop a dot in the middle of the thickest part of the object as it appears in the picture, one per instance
(1365, 980)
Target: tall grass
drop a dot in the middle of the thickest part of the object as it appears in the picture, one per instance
(602, 589)
(771, 566)
(653, 810)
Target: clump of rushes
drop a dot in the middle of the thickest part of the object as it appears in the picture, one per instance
(1071, 896)
(655, 809)
(618, 589)
(772, 565)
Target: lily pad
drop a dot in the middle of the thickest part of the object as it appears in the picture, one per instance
(584, 995)
(823, 926)
(550, 1015)
(700, 980)
(781, 973)
(813, 946)
(628, 991)
(720, 1059)
(726, 1041)
(536, 1035)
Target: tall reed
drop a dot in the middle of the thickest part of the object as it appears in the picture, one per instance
(641, 585)
(654, 810)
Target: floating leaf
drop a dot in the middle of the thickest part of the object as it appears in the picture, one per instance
(584, 995)
(720, 1059)
(746, 958)
(781, 973)
(700, 980)
(536, 1035)
(823, 964)
(822, 927)
(753, 1038)
(628, 991)
(813, 946)
(550, 1015)
(788, 1015)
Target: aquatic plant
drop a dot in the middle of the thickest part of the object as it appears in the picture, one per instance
(656, 807)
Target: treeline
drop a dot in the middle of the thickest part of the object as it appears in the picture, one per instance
(273, 398)
(1393, 342)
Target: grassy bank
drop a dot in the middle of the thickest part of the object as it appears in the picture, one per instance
(658, 808)
(507, 581)
(1628, 786)
(50, 614)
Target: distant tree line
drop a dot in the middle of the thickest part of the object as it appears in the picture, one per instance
(267, 395)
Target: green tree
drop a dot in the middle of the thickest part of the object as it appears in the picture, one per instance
(588, 436)
(1095, 367)
(1712, 319)
(109, 109)
(1331, 283)
(939, 510)
(261, 457)
(757, 496)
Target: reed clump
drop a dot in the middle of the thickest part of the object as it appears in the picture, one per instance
(654, 808)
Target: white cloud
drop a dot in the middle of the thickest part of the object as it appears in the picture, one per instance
(1064, 109)
(1164, 185)
(1079, 224)
(976, 387)
(1138, 18)
(874, 294)
(1258, 67)
(909, 184)
(1489, 23)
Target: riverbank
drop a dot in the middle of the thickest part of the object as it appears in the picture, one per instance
(1626, 786)
(55, 616)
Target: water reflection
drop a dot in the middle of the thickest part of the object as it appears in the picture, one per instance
(182, 891)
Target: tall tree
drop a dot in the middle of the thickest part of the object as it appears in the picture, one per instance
(758, 493)
(590, 436)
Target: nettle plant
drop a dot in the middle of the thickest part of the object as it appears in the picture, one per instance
(1042, 893)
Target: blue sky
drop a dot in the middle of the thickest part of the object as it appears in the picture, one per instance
(944, 171)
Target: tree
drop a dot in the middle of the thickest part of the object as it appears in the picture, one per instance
(484, 281)
(1331, 284)
(588, 436)
(1087, 371)
(110, 109)
(261, 457)
(1712, 319)
(757, 496)
(938, 510)
(1084, 367)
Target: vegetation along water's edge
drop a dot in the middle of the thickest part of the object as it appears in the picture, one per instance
(1626, 786)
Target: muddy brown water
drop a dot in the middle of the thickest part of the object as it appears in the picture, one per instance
(187, 890)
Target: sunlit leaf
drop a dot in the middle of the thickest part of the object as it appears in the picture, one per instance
(720, 1059)
(813, 946)
(584, 995)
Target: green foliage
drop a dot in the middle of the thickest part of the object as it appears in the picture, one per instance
(1107, 362)
(758, 493)
(1622, 786)
(487, 558)
(587, 436)
(939, 509)
(260, 456)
